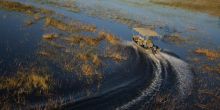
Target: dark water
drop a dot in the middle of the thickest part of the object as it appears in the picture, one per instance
(132, 84)
(18, 42)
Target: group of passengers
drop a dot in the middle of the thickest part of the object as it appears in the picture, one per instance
(147, 44)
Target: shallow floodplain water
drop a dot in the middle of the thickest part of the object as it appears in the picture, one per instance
(18, 41)
(135, 83)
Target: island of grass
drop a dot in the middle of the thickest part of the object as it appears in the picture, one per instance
(209, 6)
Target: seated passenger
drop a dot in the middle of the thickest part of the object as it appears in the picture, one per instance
(149, 43)
(139, 40)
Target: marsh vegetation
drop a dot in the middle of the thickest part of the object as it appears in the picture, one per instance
(209, 6)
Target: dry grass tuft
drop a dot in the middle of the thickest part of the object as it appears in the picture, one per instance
(109, 37)
(29, 83)
(26, 82)
(50, 36)
(212, 55)
(83, 57)
(70, 5)
(73, 39)
(70, 27)
(96, 60)
(87, 40)
(116, 56)
(87, 70)
(92, 41)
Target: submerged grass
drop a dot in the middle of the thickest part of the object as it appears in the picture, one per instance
(116, 56)
(210, 54)
(26, 83)
(104, 12)
(175, 38)
(211, 69)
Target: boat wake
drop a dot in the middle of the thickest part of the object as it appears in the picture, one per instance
(136, 87)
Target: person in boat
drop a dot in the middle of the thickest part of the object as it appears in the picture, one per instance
(148, 44)
(139, 40)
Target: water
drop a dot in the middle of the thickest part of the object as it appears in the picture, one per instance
(132, 84)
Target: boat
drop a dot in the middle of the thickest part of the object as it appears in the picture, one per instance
(143, 39)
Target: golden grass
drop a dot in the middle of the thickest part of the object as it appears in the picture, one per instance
(16, 6)
(17, 89)
(116, 56)
(73, 39)
(109, 37)
(210, 54)
(96, 60)
(69, 27)
(76, 39)
(50, 36)
(87, 70)
(25, 82)
(83, 57)
(70, 5)
(86, 57)
(209, 6)
(92, 41)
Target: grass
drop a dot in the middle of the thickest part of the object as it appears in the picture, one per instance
(175, 38)
(37, 13)
(16, 6)
(115, 56)
(210, 54)
(69, 27)
(77, 39)
(50, 36)
(70, 5)
(109, 37)
(87, 70)
(208, 100)
(209, 6)
(96, 60)
(83, 57)
(211, 69)
(26, 83)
